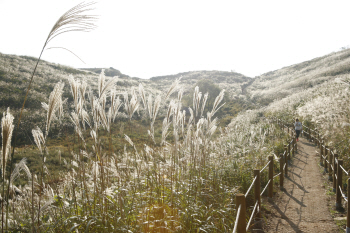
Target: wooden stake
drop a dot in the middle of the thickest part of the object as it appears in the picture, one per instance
(240, 201)
(270, 194)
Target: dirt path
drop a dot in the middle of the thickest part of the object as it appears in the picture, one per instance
(302, 205)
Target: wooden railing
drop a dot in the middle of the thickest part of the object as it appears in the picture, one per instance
(241, 226)
(334, 167)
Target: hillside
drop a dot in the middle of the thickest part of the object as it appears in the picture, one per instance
(296, 78)
(15, 72)
(160, 155)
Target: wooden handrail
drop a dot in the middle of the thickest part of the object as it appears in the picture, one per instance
(240, 223)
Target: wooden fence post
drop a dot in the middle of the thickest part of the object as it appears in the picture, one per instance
(281, 171)
(321, 154)
(325, 158)
(286, 150)
(240, 201)
(330, 171)
(294, 143)
(257, 192)
(286, 163)
(335, 172)
(289, 151)
(270, 194)
(339, 184)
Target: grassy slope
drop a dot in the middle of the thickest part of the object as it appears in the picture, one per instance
(295, 78)
(15, 72)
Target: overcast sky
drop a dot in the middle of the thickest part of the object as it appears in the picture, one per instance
(147, 38)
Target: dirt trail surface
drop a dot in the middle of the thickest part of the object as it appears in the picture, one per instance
(302, 205)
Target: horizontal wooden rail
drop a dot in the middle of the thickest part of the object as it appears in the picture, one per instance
(241, 226)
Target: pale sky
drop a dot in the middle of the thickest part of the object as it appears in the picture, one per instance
(147, 38)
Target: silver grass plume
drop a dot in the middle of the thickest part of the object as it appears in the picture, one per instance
(21, 166)
(73, 20)
(131, 106)
(196, 99)
(165, 129)
(105, 87)
(172, 88)
(204, 102)
(171, 107)
(149, 106)
(191, 117)
(217, 101)
(6, 133)
(142, 95)
(115, 104)
(151, 133)
(75, 89)
(156, 107)
(39, 138)
(103, 117)
(83, 87)
(131, 143)
(85, 118)
(75, 119)
(55, 100)
(128, 140)
(183, 120)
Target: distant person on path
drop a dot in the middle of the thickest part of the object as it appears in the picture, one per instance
(298, 127)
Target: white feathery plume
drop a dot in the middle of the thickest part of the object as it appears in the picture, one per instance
(151, 134)
(142, 95)
(6, 133)
(188, 135)
(55, 100)
(74, 21)
(102, 101)
(101, 82)
(94, 136)
(179, 95)
(82, 89)
(39, 138)
(165, 128)
(149, 106)
(191, 117)
(183, 121)
(171, 107)
(128, 140)
(75, 119)
(95, 169)
(217, 101)
(103, 118)
(204, 102)
(131, 106)
(212, 127)
(156, 107)
(21, 166)
(172, 88)
(196, 99)
(105, 87)
(75, 87)
(115, 107)
(85, 118)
